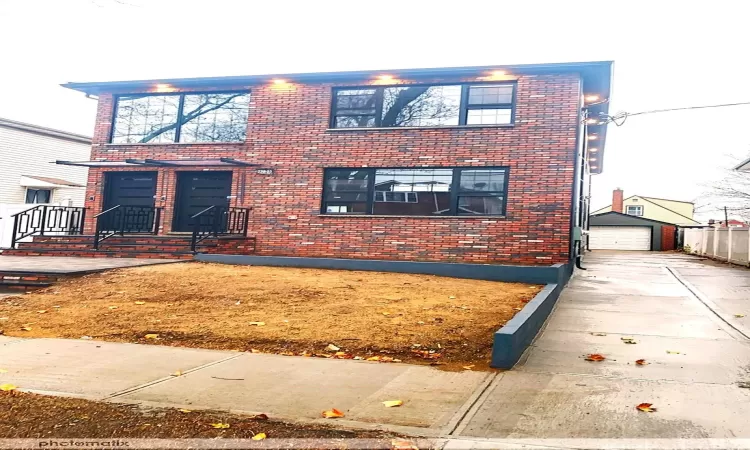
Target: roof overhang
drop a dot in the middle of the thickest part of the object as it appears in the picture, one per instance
(46, 182)
(221, 162)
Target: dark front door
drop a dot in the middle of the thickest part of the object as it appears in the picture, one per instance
(135, 193)
(197, 191)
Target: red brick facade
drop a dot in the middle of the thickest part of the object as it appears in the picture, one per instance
(288, 131)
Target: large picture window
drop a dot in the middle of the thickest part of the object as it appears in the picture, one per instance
(475, 191)
(423, 106)
(182, 118)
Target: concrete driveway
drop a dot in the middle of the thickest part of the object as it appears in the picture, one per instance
(679, 310)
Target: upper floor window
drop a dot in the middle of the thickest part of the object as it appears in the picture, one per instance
(443, 191)
(423, 106)
(634, 210)
(184, 118)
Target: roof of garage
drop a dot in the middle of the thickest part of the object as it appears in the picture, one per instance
(626, 219)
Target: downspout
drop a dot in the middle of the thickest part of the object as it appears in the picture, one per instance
(574, 250)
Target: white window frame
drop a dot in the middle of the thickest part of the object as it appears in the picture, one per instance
(638, 208)
(409, 197)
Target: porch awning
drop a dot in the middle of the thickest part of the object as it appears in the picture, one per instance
(221, 162)
(46, 182)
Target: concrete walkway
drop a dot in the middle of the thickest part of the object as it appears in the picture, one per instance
(553, 393)
(71, 264)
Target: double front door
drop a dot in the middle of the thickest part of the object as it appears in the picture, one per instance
(135, 193)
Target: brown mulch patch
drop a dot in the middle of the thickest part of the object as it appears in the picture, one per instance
(412, 318)
(25, 415)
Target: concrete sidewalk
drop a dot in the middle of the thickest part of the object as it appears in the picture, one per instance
(284, 387)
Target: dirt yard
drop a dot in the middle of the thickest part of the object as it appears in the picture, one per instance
(24, 415)
(326, 313)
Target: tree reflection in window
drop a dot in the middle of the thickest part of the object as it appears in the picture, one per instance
(206, 117)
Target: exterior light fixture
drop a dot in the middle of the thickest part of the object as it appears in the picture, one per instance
(592, 121)
(386, 77)
(279, 81)
(591, 98)
(593, 167)
(499, 73)
(592, 137)
(163, 87)
(593, 150)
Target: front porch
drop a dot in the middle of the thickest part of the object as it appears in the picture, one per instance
(128, 232)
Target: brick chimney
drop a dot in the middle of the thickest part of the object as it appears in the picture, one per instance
(617, 200)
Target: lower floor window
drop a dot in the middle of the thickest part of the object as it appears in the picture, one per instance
(444, 191)
(38, 195)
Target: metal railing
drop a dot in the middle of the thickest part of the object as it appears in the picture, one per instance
(124, 219)
(49, 220)
(216, 221)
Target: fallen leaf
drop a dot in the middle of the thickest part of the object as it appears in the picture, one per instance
(113, 307)
(451, 297)
(469, 367)
(645, 407)
(598, 334)
(332, 413)
(397, 444)
(392, 403)
(332, 348)
(517, 309)
(259, 417)
(42, 311)
(4, 318)
(177, 374)
(739, 316)
(7, 387)
(140, 303)
(595, 357)
(260, 324)
(86, 338)
(626, 338)
(26, 328)
(672, 352)
(420, 322)
(386, 313)
(151, 336)
(641, 362)
(220, 425)
(237, 303)
(628, 341)
(373, 358)
(183, 410)
(254, 350)
(259, 437)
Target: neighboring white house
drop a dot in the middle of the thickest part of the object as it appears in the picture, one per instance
(28, 174)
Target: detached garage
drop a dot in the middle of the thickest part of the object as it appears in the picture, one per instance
(616, 231)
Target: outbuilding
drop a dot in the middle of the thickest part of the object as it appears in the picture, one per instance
(617, 231)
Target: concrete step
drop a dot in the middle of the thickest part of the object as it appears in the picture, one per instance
(136, 252)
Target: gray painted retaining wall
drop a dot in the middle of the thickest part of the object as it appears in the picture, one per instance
(490, 272)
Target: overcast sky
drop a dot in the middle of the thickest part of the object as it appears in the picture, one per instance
(666, 53)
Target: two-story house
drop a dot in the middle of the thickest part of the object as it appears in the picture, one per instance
(469, 164)
(639, 223)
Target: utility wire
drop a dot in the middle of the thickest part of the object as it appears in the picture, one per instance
(620, 118)
(687, 107)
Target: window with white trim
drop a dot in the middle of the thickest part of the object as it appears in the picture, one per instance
(634, 210)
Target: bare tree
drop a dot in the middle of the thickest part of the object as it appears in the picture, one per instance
(732, 192)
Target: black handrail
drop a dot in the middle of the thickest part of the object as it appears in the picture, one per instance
(49, 219)
(126, 219)
(216, 221)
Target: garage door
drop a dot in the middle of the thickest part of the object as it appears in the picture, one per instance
(620, 238)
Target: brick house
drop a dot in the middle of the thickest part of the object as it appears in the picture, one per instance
(471, 164)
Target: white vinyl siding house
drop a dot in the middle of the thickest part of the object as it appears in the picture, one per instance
(29, 175)
(28, 151)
